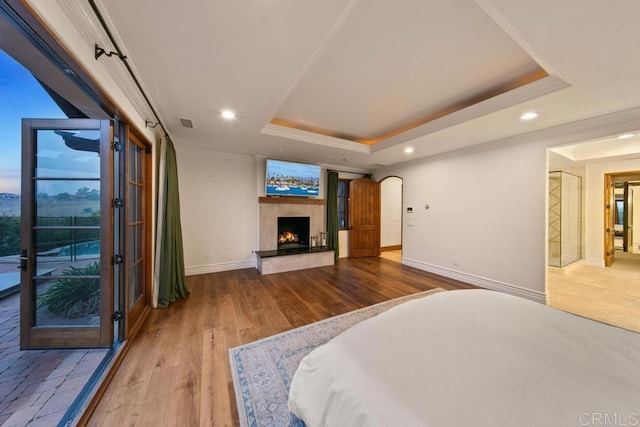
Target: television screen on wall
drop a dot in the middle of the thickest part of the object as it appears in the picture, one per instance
(291, 179)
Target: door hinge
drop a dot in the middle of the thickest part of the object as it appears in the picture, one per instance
(117, 145)
(147, 150)
(118, 315)
(117, 259)
(117, 203)
(23, 260)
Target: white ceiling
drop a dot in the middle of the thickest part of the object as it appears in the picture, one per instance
(440, 76)
(604, 148)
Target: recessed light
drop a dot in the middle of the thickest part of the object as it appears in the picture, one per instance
(529, 116)
(626, 136)
(408, 150)
(228, 114)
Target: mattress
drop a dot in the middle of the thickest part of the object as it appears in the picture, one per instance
(471, 358)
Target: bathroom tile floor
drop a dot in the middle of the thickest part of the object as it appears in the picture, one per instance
(610, 295)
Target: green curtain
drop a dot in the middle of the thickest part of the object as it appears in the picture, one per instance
(172, 284)
(332, 212)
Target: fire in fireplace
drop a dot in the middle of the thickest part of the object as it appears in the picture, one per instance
(293, 232)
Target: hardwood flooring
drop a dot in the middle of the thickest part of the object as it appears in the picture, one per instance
(177, 370)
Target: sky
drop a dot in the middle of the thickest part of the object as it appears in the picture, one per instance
(21, 96)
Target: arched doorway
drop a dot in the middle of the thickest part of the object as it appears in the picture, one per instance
(391, 218)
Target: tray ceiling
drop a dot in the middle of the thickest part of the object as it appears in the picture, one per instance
(353, 82)
(392, 66)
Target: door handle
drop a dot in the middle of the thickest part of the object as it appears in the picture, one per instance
(23, 260)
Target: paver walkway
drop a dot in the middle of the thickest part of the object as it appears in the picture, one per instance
(37, 387)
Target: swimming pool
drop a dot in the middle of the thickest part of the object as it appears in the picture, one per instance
(84, 248)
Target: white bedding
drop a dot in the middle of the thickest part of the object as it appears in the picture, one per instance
(471, 358)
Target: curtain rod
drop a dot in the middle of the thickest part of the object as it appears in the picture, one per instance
(126, 64)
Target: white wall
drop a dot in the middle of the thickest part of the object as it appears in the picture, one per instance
(486, 222)
(218, 210)
(391, 212)
(343, 243)
(635, 191)
(595, 205)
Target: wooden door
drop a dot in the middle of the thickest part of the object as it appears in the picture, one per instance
(66, 294)
(137, 274)
(364, 218)
(609, 232)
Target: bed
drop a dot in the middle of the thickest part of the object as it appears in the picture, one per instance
(471, 358)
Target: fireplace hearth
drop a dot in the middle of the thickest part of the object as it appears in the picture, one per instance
(293, 232)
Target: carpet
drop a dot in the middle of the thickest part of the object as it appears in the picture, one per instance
(262, 370)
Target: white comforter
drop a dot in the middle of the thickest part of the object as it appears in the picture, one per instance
(471, 358)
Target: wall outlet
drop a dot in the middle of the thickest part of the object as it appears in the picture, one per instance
(456, 261)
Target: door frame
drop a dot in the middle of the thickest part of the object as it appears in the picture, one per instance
(609, 211)
(401, 211)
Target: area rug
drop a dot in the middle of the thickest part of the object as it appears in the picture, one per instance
(262, 370)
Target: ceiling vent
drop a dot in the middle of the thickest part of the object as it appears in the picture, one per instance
(186, 123)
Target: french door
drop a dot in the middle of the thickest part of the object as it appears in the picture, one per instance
(67, 286)
(137, 231)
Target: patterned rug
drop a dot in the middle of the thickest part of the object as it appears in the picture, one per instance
(262, 370)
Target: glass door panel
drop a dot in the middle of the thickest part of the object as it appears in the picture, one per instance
(66, 290)
(137, 277)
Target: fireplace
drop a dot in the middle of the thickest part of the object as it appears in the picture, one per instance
(293, 232)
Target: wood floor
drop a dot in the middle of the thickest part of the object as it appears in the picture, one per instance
(177, 370)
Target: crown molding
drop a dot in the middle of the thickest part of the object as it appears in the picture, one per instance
(512, 30)
(314, 138)
(505, 100)
(569, 133)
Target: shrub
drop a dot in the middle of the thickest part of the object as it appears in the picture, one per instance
(72, 297)
(9, 235)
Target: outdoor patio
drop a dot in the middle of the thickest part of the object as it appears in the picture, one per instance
(37, 387)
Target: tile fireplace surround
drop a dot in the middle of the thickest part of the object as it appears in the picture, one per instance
(273, 207)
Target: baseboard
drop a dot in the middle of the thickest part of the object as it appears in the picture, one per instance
(482, 282)
(223, 266)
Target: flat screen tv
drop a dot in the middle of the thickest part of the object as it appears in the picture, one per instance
(291, 179)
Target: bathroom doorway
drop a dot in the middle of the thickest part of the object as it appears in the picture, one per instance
(621, 239)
